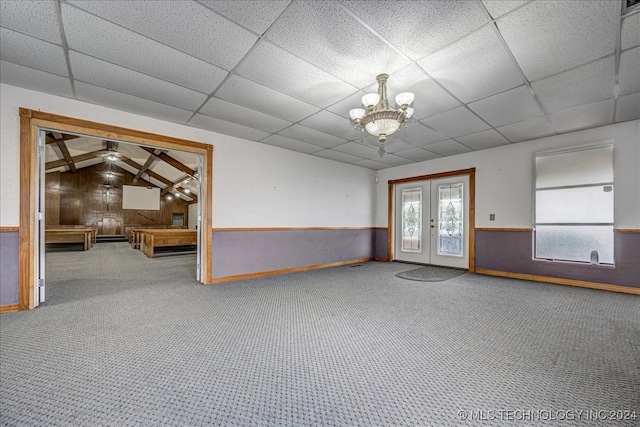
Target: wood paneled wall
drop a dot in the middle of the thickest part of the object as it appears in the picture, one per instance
(81, 198)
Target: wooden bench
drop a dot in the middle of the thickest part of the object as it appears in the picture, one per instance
(86, 236)
(135, 234)
(152, 239)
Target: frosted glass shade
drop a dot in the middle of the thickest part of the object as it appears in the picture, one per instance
(386, 126)
(409, 112)
(357, 113)
(404, 98)
(370, 99)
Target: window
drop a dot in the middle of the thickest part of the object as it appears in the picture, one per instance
(574, 205)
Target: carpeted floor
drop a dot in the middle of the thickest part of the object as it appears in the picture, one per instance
(430, 273)
(130, 341)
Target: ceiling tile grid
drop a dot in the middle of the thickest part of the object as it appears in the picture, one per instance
(184, 25)
(35, 18)
(102, 39)
(110, 76)
(474, 67)
(225, 110)
(32, 52)
(286, 73)
(548, 37)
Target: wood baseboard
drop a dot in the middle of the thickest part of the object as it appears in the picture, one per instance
(561, 281)
(286, 271)
(381, 259)
(9, 308)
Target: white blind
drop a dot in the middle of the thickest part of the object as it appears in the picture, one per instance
(581, 167)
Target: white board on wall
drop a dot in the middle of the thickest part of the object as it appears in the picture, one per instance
(140, 198)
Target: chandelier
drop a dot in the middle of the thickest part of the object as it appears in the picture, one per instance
(379, 119)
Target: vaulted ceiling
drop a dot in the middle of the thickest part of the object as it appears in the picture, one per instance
(175, 172)
(285, 73)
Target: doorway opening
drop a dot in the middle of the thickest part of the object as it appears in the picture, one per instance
(431, 219)
(34, 128)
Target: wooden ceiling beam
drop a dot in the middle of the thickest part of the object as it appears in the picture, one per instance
(51, 140)
(173, 162)
(145, 167)
(65, 153)
(75, 159)
(152, 174)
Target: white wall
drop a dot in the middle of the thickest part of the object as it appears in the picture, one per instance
(504, 176)
(254, 185)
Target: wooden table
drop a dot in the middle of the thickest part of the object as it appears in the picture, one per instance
(152, 239)
(84, 235)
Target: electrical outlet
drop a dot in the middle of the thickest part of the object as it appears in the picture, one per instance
(492, 217)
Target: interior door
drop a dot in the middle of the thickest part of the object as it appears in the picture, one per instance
(431, 222)
(412, 222)
(201, 190)
(39, 294)
(449, 222)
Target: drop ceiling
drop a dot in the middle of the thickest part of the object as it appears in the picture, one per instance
(286, 73)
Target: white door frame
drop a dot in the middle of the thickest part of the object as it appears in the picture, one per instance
(471, 172)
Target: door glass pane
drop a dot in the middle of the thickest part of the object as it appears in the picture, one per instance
(412, 220)
(575, 243)
(450, 219)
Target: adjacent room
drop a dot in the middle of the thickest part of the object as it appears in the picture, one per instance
(347, 213)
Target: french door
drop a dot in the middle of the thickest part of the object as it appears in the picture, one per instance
(431, 222)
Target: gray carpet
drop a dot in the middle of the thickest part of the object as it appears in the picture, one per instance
(430, 273)
(129, 341)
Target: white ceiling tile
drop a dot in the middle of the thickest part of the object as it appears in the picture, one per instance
(473, 67)
(333, 124)
(527, 130)
(371, 164)
(430, 98)
(291, 144)
(419, 28)
(447, 148)
(587, 84)
(312, 136)
(261, 98)
(482, 140)
(583, 117)
(628, 108)
(100, 73)
(417, 154)
(497, 8)
(343, 107)
(358, 149)
(225, 110)
(515, 105)
(328, 37)
(393, 160)
(280, 70)
(29, 78)
(630, 31)
(393, 145)
(629, 78)
(547, 37)
(35, 18)
(227, 128)
(31, 52)
(120, 101)
(254, 15)
(99, 38)
(184, 25)
(337, 155)
(456, 123)
(418, 134)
